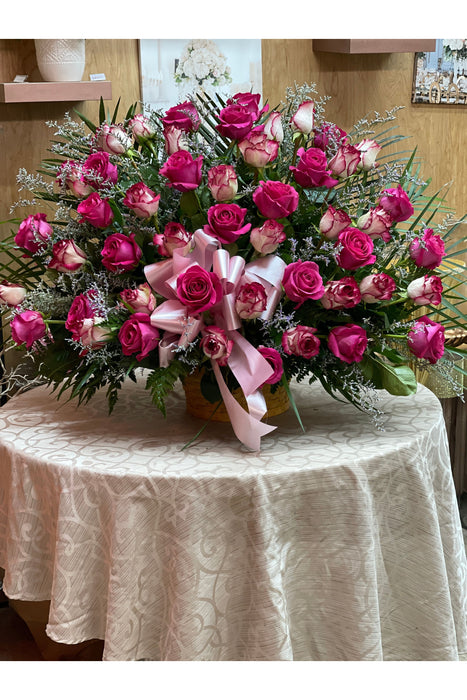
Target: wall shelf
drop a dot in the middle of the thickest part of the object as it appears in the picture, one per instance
(56, 92)
(356, 46)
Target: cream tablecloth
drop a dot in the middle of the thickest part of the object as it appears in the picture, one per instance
(343, 543)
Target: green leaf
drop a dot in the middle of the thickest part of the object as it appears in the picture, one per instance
(87, 121)
(114, 117)
(398, 381)
(189, 203)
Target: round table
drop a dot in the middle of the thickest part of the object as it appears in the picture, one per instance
(342, 542)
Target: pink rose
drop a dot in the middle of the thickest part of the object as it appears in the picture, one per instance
(175, 237)
(345, 162)
(222, 182)
(328, 134)
(11, 294)
(427, 251)
(258, 149)
(67, 257)
(142, 127)
(95, 211)
(341, 294)
(426, 339)
(226, 222)
(33, 233)
(348, 342)
(175, 140)
(251, 300)
(216, 345)
(183, 116)
(369, 150)
(333, 222)
(302, 281)
(275, 199)
(141, 200)
(120, 253)
(397, 203)
(27, 327)
(266, 238)
(273, 127)
(303, 118)
(301, 341)
(137, 335)
(80, 310)
(235, 121)
(250, 101)
(91, 334)
(72, 175)
(376, 223)
(312, 169)
(355, 249)
(426, 290)
(183, 172)
(275, 360)
(99, 170)
(140, 300)
(377, 287)
(198, 289)
(112, 139)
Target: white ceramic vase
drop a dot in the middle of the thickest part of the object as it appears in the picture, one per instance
(60, 60)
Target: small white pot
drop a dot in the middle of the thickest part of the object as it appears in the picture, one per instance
(60, 60)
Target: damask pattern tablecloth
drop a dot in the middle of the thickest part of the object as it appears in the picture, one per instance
(340, 543)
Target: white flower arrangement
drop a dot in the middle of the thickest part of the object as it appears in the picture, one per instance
(203, 64)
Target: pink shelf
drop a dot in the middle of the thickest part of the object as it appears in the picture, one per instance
(374, 45)
(56, 92)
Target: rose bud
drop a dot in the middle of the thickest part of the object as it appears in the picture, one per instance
(11, 294)
(113, 139)
(250, 101)
(267, 237)
(235, 121)
(175, 140)
(175, 237)
(222, 182)
(345, 162)
(226, 222)
(137, 335)
(341, 294)
(251, 300)
(333, 222)
(142, 127)
(72, 175)
(426, 290)
(275, 199)
(377, 287)
(273, 127)
(183, 171)
(369, 150)
(312, 169)
(301, 341)
(275, 360)
(257, 149)
(33, 233)
(183, 116)
(376, 223)
(140, 300)
(303, 118)
(427, 251)
(397, 203)
(426, 339)
(120, 253)
(80, 309)
(302, 281)
(198, 289)
(355, 249)
(328, 134)
(95, 211)
(141, 200)
(99, 170)
(348, 342)
(91, 334)
(67, 257)
(216, 345)
(27, 327)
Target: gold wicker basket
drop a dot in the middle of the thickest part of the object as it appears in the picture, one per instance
(198, 406)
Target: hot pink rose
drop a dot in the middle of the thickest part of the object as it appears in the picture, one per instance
(328, 134)
(183, 116)
(142, 127)
(33, 233)
(427, 251)
(113, 139)
(302, 281)
(175, 140)
(251, 300)
(303, 118)
(341, 294)
(249, 100)
(426, 290)
(348, 342)
(273, 127)
(376, 223)
(91, 334)
(226, 222)
(216, 345)
(11, 294)
(80, 310)
(377, 287)
(138, 336)
(198, 289)
(312, 169)
(266, 238)
(72, 175)
(140, 300)
(258, 149)
(67, 257)
(301, 341)
(95, 211)
(175, 237)
(222, 182)
(397, 203)
(355, 249)
(275, 360)
(275, 199)
(141, 200)
(426, 339)
(369, 150)
(345, 162)
(235, 121)
(120, 253)
(183, 171)
(27, 327)
(333, 222)
(99, 170)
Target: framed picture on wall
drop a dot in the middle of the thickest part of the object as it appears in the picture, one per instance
(172, 69)
(440, 77)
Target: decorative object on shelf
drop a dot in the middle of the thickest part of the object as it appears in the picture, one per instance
(60, 60)
(440, 76)
(256, 245)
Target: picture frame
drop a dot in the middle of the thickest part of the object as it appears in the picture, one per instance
(440, 77)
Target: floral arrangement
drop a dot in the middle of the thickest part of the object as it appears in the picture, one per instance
(257, 245)
(203, 64)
